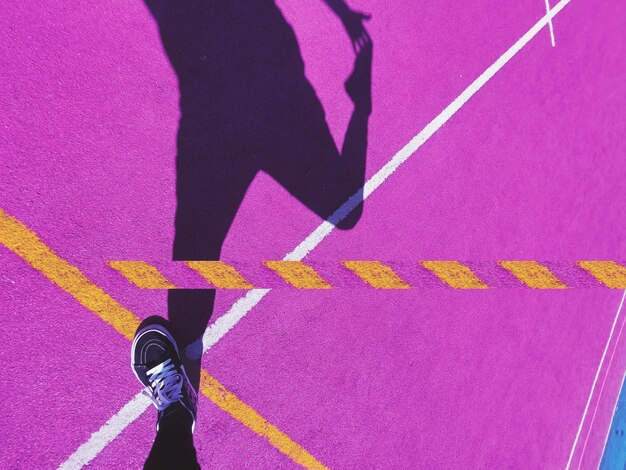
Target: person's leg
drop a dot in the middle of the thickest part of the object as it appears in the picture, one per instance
(211, 181)
(304, 157)
(157, 364)
(173, 447)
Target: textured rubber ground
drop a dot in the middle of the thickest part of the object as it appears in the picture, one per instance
(531, 167)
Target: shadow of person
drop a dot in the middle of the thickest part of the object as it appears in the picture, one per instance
(246, 106)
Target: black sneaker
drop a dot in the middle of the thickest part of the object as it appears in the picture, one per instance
(156, 363)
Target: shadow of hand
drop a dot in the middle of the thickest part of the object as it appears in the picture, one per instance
(353, 22)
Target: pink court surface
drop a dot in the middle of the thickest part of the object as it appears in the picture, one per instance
(531, 167)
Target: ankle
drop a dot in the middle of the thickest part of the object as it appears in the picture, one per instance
(176, 419)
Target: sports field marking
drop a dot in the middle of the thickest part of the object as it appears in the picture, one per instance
(455, 274)
(613, 418)
(533, 274)
(220, 274)
(218, 329)
(609, 273)
(551, 26)
(142, 274)
(228, 402)
(381, 275)
(593, 385)
(376, 274)
(409, 149)
(606, 375)
(219, 395)
(298, 274)
(241, 307)
(27, 245)
(109, 431)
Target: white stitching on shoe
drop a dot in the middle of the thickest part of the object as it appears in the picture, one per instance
(146, 346)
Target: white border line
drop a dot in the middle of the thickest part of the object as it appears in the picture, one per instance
(226, 322)
(593, 385)
(608, 431)
(606, 376)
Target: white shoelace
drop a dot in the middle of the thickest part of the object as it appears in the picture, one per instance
(165, 385)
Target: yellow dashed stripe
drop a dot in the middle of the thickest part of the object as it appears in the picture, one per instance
(142, 274)
(220, 274)
(28, 246)
(609, 273)
(455, 274)
(533, 274)
(228, 402)
(298, 274)
(376, 274)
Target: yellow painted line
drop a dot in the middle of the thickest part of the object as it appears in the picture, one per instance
(376, 274)
(455, 274)
(298, 274)
(220, 274)
(228, 402)
(533, 274)
(609, 273)
(28, 246)
(142, 274)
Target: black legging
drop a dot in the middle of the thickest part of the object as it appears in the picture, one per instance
(173, 447)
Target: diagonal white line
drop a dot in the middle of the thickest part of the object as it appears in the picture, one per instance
(227, 321)
(593, 385)
(109, 431)
(223, 324)
(608, 431)
(606, 376)
(550, 25)
(409, 149)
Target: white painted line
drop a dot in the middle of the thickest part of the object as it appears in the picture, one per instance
(550, 24)
(227, 321)
(606, 374)
(608, 431)
(593, 385)
(409, 149)
(109, 431)
(223, 324)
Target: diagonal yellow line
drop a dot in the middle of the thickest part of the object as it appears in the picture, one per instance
(455, 274)
(228, 402)
(609, 273)
(28, 246)
(142, 274)
(220, 274)
(535, 275)
(376, 274)
(298, 274)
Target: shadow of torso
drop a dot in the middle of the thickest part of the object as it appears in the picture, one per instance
(239, 67)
